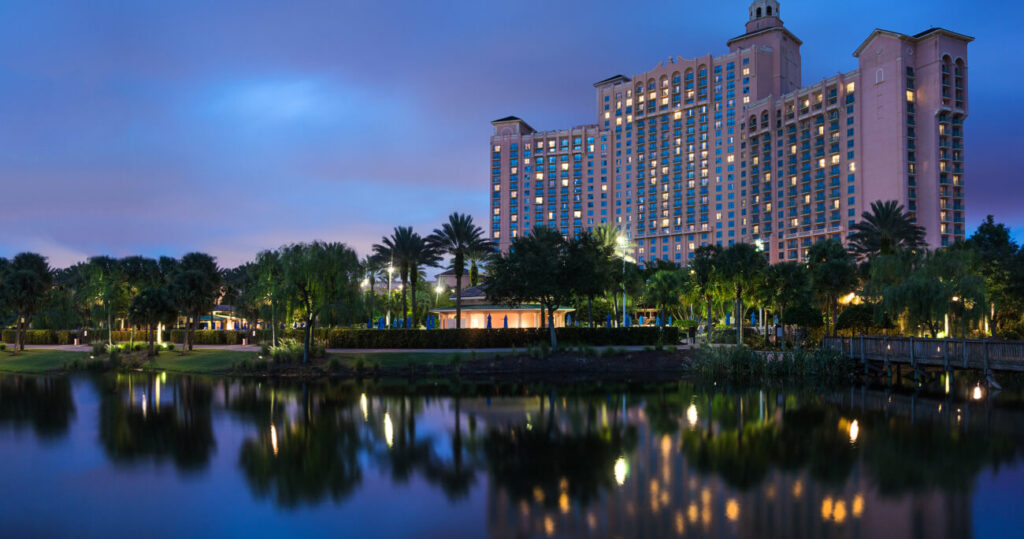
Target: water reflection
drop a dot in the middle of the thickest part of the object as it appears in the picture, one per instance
(44, 403)
(145, 417)
(656, 460)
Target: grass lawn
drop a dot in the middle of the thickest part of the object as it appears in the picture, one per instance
(198, 361)
(38, 361)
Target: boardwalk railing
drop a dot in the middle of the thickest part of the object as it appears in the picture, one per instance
(984, 355)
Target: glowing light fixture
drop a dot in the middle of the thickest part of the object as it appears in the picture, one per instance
(621, 470)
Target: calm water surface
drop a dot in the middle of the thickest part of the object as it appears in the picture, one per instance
(175, 456)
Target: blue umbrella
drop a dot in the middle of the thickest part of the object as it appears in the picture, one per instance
(728, 319)
(670, 320)
(608, 321)
(369, 324)
(657, 321)
(488, 321)
(506, 321)
(753, 319)
(568, 319)
(776, 320)
(641, 319)
(629, 320)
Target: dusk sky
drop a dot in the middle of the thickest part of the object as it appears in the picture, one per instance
(152, 128)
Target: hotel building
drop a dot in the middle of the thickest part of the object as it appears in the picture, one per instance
(735, 148)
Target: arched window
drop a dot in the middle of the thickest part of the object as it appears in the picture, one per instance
(769, 11)
(758, 12)
(879, 76)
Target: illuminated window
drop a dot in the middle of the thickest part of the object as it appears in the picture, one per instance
(849, 87)
(910, 96)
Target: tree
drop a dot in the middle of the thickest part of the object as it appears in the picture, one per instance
(664, 289)
(25, 283)
(400, 249)
(786, 284)
(944, 282)
(591, 263)
(318, 275)
(533, 269)
(460, 239)
(704, 276)
(885, 229)
(194, 289)
(741, 264)
(833, 275)
(150, 308)
(995, 257)
(268, 286)
(104, 284)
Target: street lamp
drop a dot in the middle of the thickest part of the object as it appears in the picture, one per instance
(437, 293)
(391, 270)
(623, 243)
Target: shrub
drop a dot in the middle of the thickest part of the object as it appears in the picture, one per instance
(498, 338)
(99, 348)
(741, 365)
(290, 351)
(3, 347)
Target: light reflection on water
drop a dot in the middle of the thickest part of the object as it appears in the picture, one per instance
(115, 452)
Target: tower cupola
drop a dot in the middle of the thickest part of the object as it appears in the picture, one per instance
(763, 14)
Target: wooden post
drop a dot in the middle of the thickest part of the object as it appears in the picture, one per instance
(862, 358)
(945, 356)
(885, 350)
(963, 344)
(985, 346)
(913, 360)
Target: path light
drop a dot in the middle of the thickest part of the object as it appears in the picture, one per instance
(621, 470)
(977, 394)
(854, 431)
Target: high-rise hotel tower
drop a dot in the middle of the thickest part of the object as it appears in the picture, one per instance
(735, 148)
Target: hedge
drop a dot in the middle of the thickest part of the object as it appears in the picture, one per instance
(498, 338)
(392, 338)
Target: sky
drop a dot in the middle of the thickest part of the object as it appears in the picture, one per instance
(229, 127)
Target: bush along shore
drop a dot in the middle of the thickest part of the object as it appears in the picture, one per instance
(744, 366)
(391, 338)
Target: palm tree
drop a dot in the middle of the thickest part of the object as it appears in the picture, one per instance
(833, 274)
(704, 277)
(150, 308)
(885, 229)
(420, 253)
(459, 238)
(785, 284)
(663, 290)
(409, 251)
(741, 264)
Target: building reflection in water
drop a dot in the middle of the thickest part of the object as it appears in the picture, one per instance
(665, 460)
(760, 465)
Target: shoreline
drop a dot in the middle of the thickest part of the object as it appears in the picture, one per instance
(579, 363)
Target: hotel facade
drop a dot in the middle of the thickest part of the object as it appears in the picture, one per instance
(735, 148)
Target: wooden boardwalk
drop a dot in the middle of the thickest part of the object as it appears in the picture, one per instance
(983, 355)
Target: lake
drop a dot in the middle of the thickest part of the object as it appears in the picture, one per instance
(157, 455)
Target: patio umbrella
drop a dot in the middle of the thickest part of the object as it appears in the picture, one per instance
(488, 321)
(753, 319)
(629, 320)
(607, 320)
(506, 321)
(728, 319)
(641, 319)
(568, 319)
(369, 324)
(670, 320)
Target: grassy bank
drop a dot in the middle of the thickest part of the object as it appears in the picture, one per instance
(39, 361)
(743, 366)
